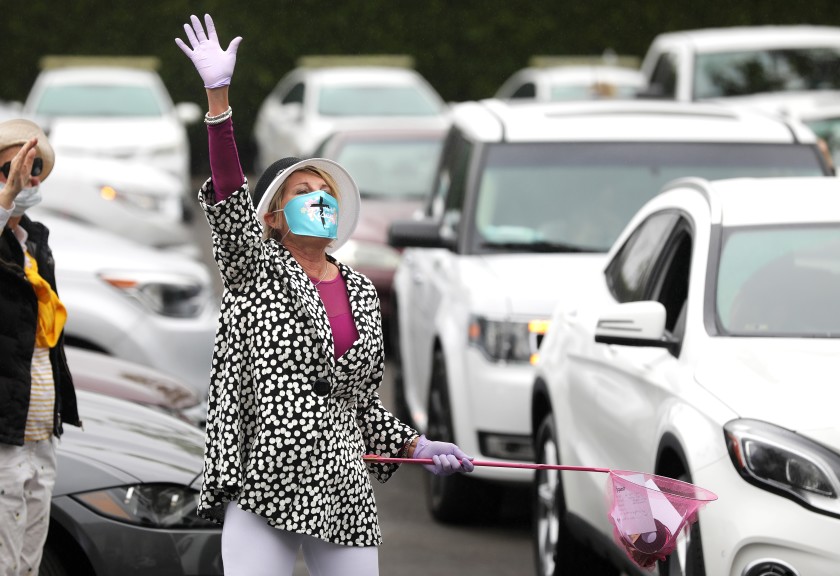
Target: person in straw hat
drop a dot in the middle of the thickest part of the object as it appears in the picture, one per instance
(36, 391)
(298, 358)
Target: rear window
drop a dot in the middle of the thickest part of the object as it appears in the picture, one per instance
(98, 100)
(579, 196)
(376, 101)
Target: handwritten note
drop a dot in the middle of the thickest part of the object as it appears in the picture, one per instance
(632, 506)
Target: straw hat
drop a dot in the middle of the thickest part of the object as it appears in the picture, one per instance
(19, 131)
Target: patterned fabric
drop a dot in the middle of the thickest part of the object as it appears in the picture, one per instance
(274, 444)
(39, 418)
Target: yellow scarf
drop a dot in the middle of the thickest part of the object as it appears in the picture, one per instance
(51, 312)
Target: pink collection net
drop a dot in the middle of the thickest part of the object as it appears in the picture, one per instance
(649, 512)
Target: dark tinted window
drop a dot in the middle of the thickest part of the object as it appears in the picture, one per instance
(295, 94)
(528, 90)
(628, 272)
(663, 82)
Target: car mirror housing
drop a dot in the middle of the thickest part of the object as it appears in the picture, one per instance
(634, 324)
(188, 112)
(416, 234)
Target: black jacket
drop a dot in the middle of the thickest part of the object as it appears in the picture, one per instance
(18, 322)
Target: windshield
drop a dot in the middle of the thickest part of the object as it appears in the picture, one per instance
(376, 101)
(98, 100)
(752, 72)
(392, 168)
(780, 281)
(579, 196)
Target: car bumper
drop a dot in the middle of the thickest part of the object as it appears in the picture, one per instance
(747, 524)
(117, 548)
(496, 407)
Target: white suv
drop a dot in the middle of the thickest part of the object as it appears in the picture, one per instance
(708, 351)
(527, 200)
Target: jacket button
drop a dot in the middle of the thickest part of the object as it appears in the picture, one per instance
(321, 387)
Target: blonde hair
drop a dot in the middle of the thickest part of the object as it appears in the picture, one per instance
(277, 199)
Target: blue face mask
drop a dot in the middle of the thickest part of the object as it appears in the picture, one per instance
(313, 214)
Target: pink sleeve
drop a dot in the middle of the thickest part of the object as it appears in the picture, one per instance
(225, 169)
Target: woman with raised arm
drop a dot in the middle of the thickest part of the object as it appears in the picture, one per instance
(298, 359)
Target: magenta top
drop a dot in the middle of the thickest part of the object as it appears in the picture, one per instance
(227, 176)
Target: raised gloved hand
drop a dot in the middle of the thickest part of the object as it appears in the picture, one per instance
(447, 457)
(213, 64)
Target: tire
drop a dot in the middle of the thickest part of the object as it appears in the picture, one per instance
(687, 559)
(51, 564)
(455, 499)
(556, 551)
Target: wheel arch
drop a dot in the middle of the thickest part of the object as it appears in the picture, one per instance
(671, 460)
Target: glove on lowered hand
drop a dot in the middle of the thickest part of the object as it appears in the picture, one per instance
(447, 457)
(213, 64)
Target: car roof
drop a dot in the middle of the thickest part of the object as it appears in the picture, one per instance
(97, 74)
(360, 75)
(752, 37)
(495, 120)
(767, 201)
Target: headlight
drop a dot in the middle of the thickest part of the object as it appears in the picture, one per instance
(172, 295)
(507, 340)
(368, 255)
(150, 505)
(786, 463)
(142, 200)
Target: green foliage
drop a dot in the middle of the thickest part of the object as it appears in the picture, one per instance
(465, 48)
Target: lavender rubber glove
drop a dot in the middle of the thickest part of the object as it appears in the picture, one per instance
(213, 64)
(447, 457)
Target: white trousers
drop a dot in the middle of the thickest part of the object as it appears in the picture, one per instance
(251, 547)
(27, 478)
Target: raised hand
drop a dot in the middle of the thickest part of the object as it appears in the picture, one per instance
(214, 65)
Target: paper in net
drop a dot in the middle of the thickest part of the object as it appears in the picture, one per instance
(649, 512)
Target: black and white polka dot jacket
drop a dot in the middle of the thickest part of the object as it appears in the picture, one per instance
(288, 423)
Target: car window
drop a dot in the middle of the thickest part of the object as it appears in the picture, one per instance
(98, 100)
(450, 183)
(396, 168)
(375, 101)
(750, 72)
(663, 81)
(671, 278)
(562, 196)
(779, 281)
(527, 90)
(295, 95)
(628, 272)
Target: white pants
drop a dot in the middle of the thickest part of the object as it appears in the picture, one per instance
(251, 547)
(27, 478)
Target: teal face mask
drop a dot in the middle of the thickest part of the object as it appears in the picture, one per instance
(313, 214)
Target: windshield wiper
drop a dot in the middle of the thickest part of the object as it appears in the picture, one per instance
(540, 247)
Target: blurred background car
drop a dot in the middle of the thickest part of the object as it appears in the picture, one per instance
(323, 94)
(706, 351)
(558, 78)
(146, 305)
(131, 200)
(744, 62)
(527, 200)
(126, 494)
(394, 167)
(98, 372)
(115, 107)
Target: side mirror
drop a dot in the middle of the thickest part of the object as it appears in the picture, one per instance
(416, 234)
(188, 112)
(635, 324)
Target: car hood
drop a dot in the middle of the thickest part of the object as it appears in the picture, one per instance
(786, 103)
(791, 383)
(377, 214)
(530, 284)
(81, 249)
(123, 443)
(114, 137)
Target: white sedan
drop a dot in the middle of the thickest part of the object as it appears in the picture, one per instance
(311, 102)
(708, 350)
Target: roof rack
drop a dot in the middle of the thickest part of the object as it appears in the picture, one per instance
(325, 60)
(608, 58)
(143, 62)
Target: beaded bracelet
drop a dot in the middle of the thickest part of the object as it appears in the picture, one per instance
(218, 119)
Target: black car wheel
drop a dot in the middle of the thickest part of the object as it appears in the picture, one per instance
(556, 551)
(687, 558)
(51, 563)
(454, 499)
